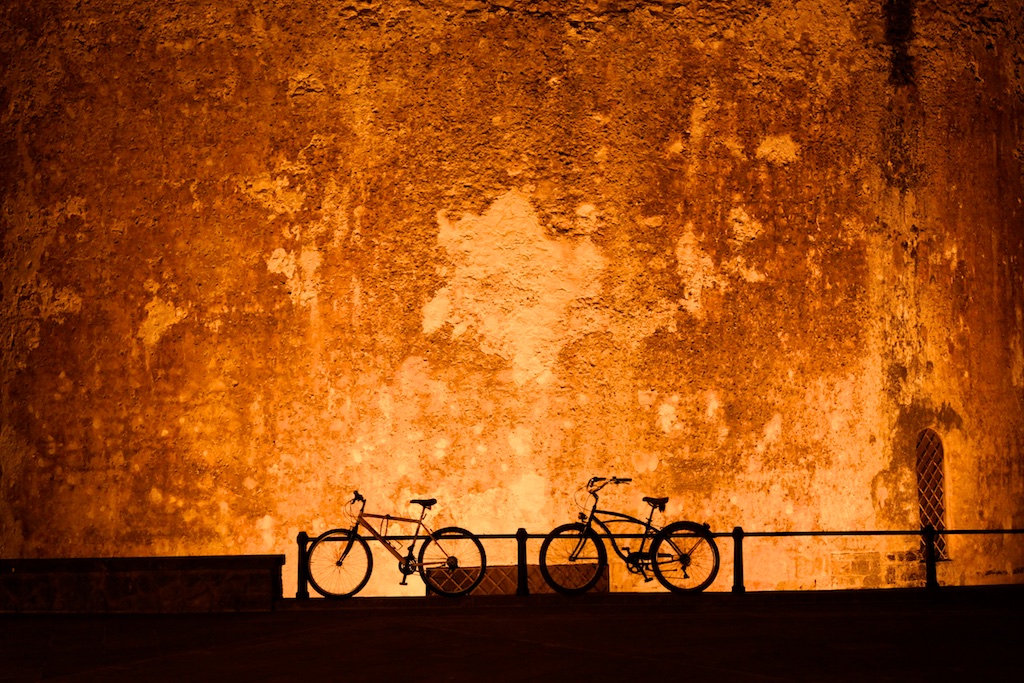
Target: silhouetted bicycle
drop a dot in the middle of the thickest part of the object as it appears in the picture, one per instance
(451, 560)
(683, 555)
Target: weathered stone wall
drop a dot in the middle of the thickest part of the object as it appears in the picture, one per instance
(257, 255)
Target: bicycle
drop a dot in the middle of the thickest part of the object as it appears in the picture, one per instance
(683, 555)
(451, 560)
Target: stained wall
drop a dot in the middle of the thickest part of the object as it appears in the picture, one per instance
(258, 255)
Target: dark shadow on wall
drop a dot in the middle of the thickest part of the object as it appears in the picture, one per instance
(899, 30)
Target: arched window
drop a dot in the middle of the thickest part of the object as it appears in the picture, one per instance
(931, 494)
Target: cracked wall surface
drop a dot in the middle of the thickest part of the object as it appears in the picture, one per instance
(258, 255)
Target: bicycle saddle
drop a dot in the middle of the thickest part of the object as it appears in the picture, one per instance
(426, 502)
(656, 502)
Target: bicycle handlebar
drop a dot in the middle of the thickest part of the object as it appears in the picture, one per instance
(593, 485)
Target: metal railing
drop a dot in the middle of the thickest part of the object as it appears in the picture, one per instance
(927, 534)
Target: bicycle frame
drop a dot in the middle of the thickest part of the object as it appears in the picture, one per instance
(612, 517)
(603, 518)
(385, 538)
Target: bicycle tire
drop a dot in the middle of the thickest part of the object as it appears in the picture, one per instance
(338, 563)
(452, 561)
(684, 557)
(563, 573)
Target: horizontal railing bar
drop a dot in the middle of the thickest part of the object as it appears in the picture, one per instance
(879, 532)
(747, 534)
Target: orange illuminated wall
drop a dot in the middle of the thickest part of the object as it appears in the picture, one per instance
(256, 256)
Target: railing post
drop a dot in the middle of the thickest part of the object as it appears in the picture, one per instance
(302, 590)
(522, 576)
(737, 561)
(931, 579)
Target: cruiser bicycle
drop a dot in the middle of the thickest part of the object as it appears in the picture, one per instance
(451, 560)
(683, 556)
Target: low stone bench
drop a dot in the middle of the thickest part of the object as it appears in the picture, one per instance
(225, 583)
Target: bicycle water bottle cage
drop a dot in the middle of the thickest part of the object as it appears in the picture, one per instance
(426, 502)
(656, 502)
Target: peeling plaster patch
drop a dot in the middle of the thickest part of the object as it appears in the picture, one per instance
(304, 83)
(413, 379)
(646, 398)
(273, 193)
(266, 526)
(530, 492)
(666, 417)
(520, 440)
(513, 286)
(282, 262)
(735, 147)
(698, 116)
(436, 311)
(302, 280)
(644, 461)
(713, 405)
(441, 447)
(256, 421)
(778, 149)
(160, 315)
(772, 432)
(737, 267)
(742, 226)
(57, 303)
(697, 271)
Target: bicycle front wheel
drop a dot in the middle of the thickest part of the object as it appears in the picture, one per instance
(338, 563)
(572, 558)
(452, 561)
(685, 557)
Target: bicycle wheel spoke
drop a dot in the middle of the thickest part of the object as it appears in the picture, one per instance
(685, 557)
(339, 564)
(571, 560)
(452, 561)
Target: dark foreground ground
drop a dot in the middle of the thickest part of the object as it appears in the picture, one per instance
(958, 634)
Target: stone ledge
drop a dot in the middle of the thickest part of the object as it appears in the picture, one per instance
(242, 583)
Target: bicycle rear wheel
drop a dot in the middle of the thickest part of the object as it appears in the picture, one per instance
(452, 561)
(572, 559)
(338, 563)
(685, 557)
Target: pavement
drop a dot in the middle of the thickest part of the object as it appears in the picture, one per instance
(953, 634)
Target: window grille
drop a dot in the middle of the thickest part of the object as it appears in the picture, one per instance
(930, 487)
